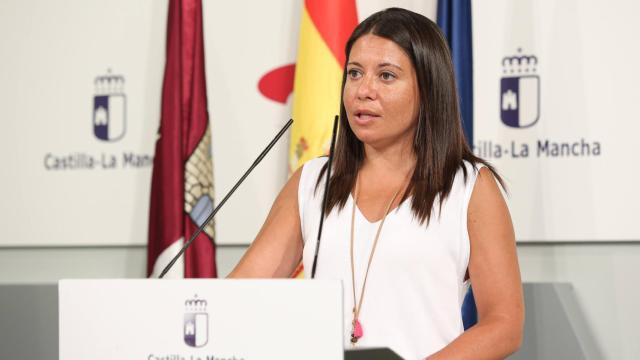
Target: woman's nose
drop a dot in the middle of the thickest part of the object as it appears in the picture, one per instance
(367, 88)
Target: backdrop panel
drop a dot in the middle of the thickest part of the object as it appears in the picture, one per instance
(80, 105)
(556, 112)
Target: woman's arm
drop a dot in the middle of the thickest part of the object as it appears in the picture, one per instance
(495, 275)
(277, 249)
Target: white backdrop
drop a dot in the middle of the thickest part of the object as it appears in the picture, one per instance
(578, 77)
(53, 51)
(61, 185)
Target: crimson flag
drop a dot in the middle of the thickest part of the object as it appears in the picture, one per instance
(182, 180)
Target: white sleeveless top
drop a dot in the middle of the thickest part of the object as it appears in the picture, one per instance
(412, 303)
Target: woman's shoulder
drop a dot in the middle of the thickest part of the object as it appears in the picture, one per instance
(311, 169)
(310, 172)
(470, 170)
(315, 164)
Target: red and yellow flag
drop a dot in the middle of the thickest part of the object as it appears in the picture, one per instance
(325, 28)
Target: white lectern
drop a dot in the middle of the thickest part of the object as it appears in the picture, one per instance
(200, 319)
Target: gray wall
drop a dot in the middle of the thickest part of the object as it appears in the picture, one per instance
(49, 264)
(603, 275)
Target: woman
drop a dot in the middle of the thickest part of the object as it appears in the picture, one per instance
(412, 214)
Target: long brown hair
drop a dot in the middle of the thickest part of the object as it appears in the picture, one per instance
(439, 142)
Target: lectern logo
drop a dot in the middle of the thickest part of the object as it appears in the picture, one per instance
(519, 91)
(196, 322)
(109, 107)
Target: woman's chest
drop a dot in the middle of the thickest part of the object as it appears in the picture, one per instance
(399, 246)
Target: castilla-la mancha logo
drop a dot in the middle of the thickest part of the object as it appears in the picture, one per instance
(109, 107)
(519, 91)
(196, 322)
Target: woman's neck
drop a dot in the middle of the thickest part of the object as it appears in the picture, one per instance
(398, 159)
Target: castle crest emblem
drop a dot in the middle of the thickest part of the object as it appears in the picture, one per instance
(520, 91)
(109, 107)
(196, 322)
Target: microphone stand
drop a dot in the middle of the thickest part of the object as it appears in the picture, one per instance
(224, 200)
(324, 196)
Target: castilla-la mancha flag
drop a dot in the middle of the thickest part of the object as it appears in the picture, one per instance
(325, 28)
(182, 180)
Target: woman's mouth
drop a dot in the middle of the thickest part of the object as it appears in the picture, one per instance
(363, 117)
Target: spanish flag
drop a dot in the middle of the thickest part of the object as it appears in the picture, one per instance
(325, 27)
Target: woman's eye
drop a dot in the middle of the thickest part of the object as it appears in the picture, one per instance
(387, 76)
(353, 73)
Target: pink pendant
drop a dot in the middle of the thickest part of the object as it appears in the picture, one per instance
(357, 331)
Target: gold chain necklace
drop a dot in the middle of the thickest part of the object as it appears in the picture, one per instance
(356, 332)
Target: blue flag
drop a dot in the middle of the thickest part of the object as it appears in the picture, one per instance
(454, 18)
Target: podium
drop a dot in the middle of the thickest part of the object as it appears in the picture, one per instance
(202, 319)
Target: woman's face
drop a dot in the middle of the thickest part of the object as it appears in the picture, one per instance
(381, 93)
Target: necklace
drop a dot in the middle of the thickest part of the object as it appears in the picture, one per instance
(356, 332)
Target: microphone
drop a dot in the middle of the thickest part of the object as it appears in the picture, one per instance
(226, 197)
(324, 196)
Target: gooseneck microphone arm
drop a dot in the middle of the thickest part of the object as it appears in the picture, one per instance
(324, 197)
(224, 200)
